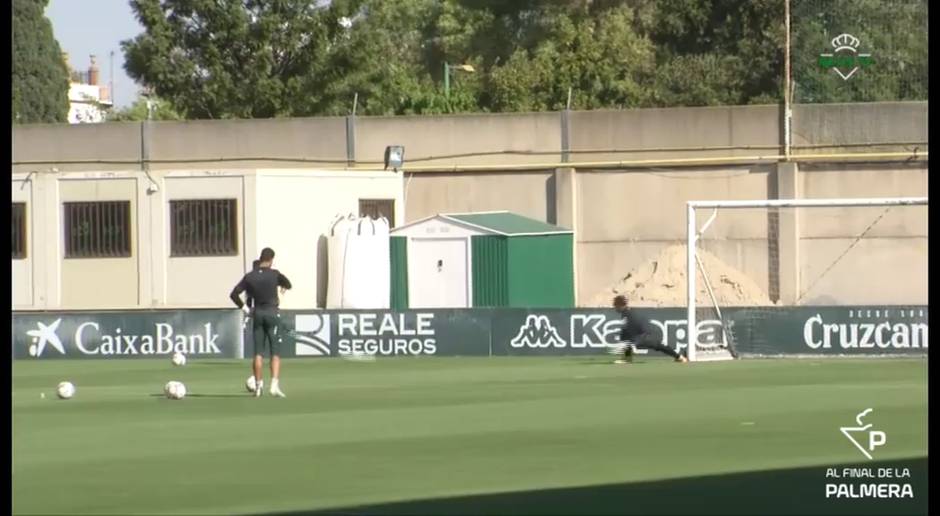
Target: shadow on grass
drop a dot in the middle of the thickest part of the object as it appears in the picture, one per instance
(246, 395)
(215, 363)
(610, 362)
(795, 491)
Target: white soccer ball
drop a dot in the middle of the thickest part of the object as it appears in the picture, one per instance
(179, 359)
(65, 390)
(251, 384)
(175, 390)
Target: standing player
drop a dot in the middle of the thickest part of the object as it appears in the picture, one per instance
(262, 286)
(637, 333)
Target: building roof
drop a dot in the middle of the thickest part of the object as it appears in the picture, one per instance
(484, 223)
(506, 223)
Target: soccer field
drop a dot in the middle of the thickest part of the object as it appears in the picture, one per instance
(462, 435)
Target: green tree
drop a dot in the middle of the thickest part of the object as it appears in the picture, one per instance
(602, 59)
(159, 109)
(229, 58)
(894, 33)
(254, 58)
(384, 54)
(713, 52)
(40, 75)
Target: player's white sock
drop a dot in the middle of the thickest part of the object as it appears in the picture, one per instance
(259, 388)
(276, 389)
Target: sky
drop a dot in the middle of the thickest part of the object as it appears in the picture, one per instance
(85, 27)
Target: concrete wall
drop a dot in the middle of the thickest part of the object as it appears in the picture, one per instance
(889, 264)
(839, 124)
(80, 147)
(527, 193)
(228, 143)
(625, 219)
(445, 138)
(660, 133)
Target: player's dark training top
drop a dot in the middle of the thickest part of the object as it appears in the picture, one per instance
(255, 265)
(261, 285)
(634, 325)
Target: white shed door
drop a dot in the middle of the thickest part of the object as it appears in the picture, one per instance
(438, 273)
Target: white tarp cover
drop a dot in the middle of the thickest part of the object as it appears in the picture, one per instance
(359, 263)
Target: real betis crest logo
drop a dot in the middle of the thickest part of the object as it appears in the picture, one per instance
(845, 59)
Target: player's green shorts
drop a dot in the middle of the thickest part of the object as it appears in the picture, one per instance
(266, 335)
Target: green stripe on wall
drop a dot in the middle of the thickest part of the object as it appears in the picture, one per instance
(490, 273)
(398, 249)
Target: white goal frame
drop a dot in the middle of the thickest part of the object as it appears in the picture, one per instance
(693, 234)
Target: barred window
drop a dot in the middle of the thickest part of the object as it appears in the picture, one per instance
(377, 208)
(204, 227)
(19, 230)
(97, 229)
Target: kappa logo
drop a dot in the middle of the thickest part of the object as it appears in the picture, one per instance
(537, 332)
(875, 437)
(845, 59)
(45, 335)
(317, 341)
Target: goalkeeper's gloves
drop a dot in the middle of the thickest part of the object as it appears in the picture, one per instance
(246, 311)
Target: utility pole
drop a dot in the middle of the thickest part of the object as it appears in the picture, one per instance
(111, 80)
(446, 80)
(447, 69)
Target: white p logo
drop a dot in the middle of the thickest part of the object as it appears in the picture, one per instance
(875, 437)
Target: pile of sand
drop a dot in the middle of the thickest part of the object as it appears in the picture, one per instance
(662, 282)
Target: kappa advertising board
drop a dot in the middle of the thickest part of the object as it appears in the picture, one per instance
(866, 330)
(383, 333)
(585, 332)
(106, 335)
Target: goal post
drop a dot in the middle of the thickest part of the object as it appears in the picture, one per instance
(701, 293)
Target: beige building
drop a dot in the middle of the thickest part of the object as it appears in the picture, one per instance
(179, 238)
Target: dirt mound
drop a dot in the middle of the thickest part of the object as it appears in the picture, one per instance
(662, 282)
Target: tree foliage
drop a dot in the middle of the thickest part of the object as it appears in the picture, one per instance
(138, 111)
(268, 58)
(40, 75)
(893, 32)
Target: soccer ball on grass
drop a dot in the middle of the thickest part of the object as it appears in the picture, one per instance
(174, 390)
(179, 359)
(65, 390)
(251, 384)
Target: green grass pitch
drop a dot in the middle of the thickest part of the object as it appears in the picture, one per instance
(462, 436)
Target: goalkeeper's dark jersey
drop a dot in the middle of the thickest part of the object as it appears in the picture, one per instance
(634, 325)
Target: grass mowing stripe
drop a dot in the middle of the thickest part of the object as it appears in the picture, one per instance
(426, 428)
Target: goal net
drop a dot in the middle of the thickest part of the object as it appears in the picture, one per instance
(750, 262)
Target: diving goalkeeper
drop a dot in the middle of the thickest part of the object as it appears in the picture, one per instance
(637, 333)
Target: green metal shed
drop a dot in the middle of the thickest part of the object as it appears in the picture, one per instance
(490, 259)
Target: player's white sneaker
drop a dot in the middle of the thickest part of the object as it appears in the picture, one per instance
(276, 390)
(259, 388)
(621, 361)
